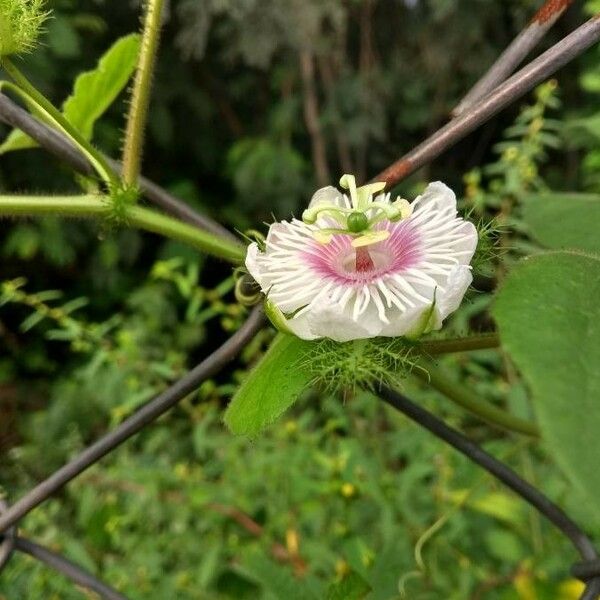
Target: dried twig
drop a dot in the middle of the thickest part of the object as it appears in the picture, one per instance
(515, 87)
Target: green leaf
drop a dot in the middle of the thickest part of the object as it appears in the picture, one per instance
(93, 93)
(352, 587)
(564, 221)
(17, 140)
(270, 388)
(275, 579)
(548, 316)
(96, 90)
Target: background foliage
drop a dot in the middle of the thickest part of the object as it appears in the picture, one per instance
(257, 103)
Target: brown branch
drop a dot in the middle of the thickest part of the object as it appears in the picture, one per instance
(519, 84)
(520, 47)
(145, 415)
(279, 551)
(311, 118)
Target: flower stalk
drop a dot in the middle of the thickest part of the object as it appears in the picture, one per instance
(465, 398)
(140, 97)
(466, 344)
(133, 216)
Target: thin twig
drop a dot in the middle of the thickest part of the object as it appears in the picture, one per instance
(516, 52)
(506, 475)
(515, 87)
(58, 145)
(144, 416)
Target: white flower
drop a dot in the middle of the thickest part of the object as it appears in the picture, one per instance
(400, 271)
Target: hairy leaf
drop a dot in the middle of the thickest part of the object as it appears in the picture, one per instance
(564, 220)
(93, 93)
(352, 587)
(549, 320)
(96, 90)
(270, 388)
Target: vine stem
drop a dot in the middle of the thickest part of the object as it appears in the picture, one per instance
(439, 380)
(472, 342)
(134, 216)
(94, 156)
(140, 96)
(57, 144)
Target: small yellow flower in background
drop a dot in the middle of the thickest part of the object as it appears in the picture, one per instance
(348, 490)
(342, 568)
(570, 590)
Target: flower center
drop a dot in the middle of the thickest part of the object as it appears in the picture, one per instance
(346, 264)
(365, 260)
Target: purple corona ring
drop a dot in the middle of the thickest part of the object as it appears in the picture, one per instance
(360, 266)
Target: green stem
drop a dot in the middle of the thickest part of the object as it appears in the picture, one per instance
(473, 342)
(58, 120)
(462, 396)
(140, 97)
(135, 216)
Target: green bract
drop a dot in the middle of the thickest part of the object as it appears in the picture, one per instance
(20, 25)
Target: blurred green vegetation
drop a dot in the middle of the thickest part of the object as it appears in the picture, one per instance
(342, 490)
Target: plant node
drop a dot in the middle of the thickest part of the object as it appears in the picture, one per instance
(121, 198)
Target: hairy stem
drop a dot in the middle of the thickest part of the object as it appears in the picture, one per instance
(133, 216)
(57, 144)
(473, 342)
(98, 161)
(140, 96)
(462, 396)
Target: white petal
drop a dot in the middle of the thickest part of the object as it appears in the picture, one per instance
(327, 195)
(438, 193)
(252, 263)
(448, 301)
